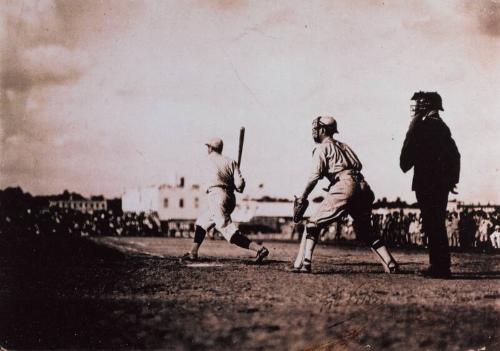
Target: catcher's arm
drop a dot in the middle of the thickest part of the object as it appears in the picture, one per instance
(300, 203)
(309, 188)
(319, 166)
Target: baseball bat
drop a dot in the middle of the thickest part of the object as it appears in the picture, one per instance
(240, 146)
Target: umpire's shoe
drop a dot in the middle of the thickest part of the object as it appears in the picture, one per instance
(261, 255)
(434, 273)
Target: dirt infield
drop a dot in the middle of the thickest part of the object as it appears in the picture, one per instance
(132, 293)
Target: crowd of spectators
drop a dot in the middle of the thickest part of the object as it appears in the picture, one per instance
(21, 214)
(466, 229)
(67, 222)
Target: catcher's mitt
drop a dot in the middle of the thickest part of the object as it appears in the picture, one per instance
(299, 208)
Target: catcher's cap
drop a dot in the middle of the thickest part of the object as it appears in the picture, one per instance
(215, 143)
(326, 121)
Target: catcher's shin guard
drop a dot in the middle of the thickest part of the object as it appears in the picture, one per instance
(311, 241)
(300, 255)
(384, 256)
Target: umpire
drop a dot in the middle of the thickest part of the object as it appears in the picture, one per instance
(430, 149)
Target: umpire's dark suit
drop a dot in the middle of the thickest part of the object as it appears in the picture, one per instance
(430, 149)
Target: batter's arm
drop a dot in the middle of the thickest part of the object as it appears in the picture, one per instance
(239, 181)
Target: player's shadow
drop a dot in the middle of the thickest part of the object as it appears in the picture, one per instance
(405, 269)
(264, 263)
(371, 268)
(236, 260)
(494, 275)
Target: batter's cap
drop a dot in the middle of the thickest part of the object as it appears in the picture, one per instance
(215, 143)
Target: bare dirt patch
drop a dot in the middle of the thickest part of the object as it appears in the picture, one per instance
(118, 294)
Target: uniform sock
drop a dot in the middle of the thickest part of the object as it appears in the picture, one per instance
(199, 236)
(240, 240)
(254, 246)
(194, 249)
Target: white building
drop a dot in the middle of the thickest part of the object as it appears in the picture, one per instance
(182, 202)
(171, 202)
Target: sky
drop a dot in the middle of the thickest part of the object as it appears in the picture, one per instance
(101, 96)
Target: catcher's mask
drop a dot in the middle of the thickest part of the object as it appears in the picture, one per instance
(328, 123)
(422, 102)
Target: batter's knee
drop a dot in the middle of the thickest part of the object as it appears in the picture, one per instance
(228, 231)
(205, 222)
(222, 221)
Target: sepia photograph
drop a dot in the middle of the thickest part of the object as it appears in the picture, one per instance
(250, 175)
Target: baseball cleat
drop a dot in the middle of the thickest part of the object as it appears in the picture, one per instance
(188, 256)
(261, 255)
(294, 269)
(306, 267)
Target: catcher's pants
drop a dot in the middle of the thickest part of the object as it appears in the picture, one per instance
(347, 196)
(220, 206)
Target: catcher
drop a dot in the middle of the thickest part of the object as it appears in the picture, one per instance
(347, 194)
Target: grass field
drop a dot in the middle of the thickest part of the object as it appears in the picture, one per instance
(132, 293)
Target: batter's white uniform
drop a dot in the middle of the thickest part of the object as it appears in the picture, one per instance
(223, 179)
